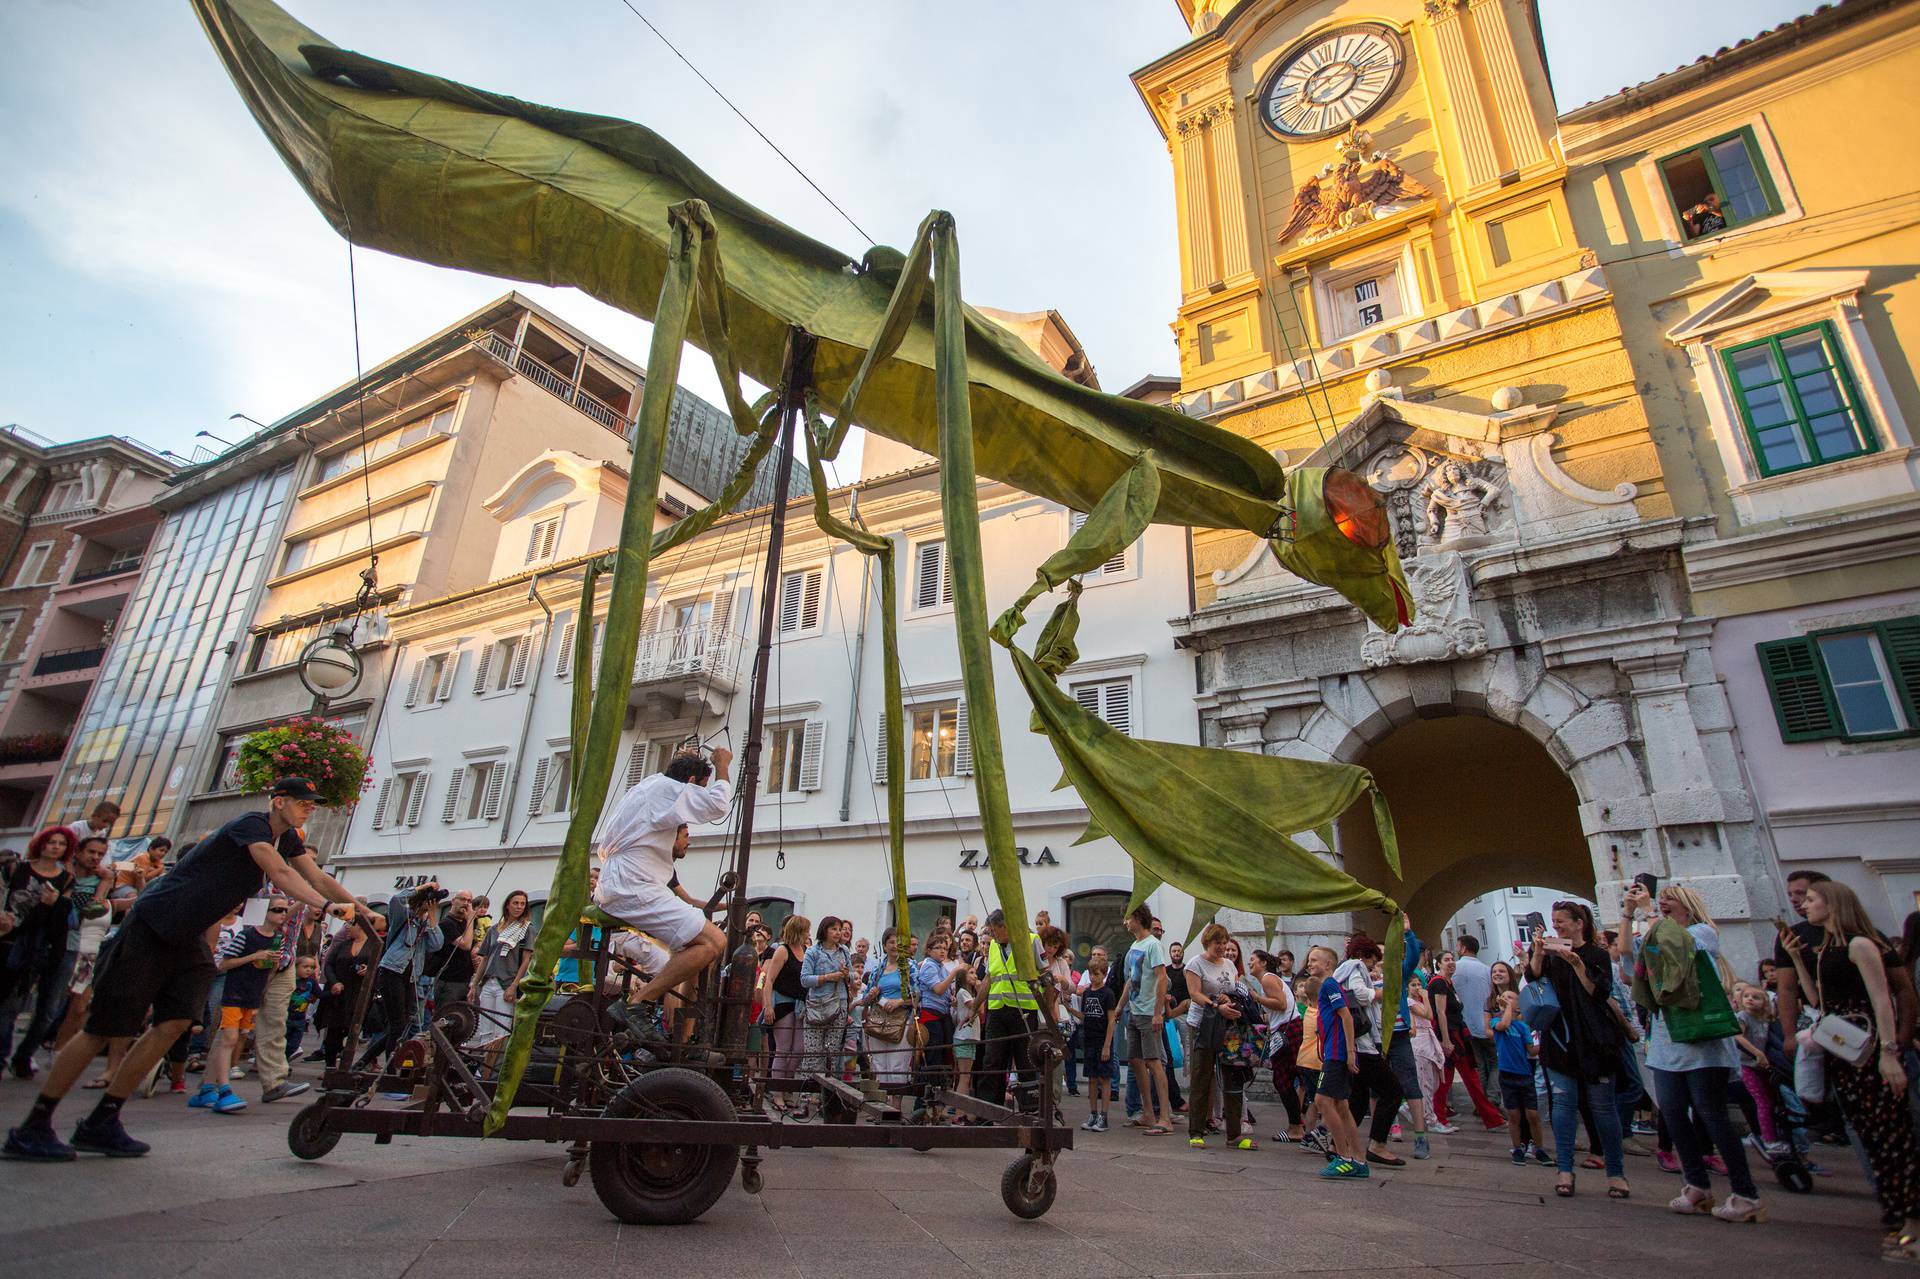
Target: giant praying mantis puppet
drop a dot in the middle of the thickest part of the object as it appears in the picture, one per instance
(435, 170)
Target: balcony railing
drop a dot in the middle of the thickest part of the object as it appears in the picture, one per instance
(700, 651)
(63, 660)
(107, 570)
(555, 383)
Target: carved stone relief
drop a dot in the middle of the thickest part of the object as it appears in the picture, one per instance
(1446, 628)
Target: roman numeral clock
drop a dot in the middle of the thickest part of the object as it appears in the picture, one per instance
(1331, 81)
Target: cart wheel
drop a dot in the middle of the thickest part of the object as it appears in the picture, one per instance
(1793, 1174)
(1028, 1186)
(750, 1180)
(661, 1183)
(308, 1136)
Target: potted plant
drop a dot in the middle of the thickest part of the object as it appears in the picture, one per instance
(319, 750)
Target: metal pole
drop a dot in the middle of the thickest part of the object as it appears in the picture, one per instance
(859, 664)
(796, 374)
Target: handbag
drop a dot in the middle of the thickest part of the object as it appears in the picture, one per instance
(1176, 1054)
(1834, 1033)
(887, 1024)
(1713, 1018)
(1539, 1005)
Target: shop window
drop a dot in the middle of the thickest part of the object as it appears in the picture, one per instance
(1718, 184)
(1797, 400)
(924, 912)
(1097, 919)
(1855, 684)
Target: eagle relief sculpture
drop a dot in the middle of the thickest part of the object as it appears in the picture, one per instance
(1357, 186)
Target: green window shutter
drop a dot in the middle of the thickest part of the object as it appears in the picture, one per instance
(1901, 638)
(1798, 686)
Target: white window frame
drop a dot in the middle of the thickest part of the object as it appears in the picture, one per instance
(402, 798)
(1102, 689)
(805, 759)
(1667, 218)
(65, 495)
(792, 601)
(1798, 298)
(1331, 285)
(908, 714)
(543, 537)
(1124, 567)
(476, 791)
(505, 664)
(422, 695)
(944, 602)
(9, 626)
(27, 562)
(1889, 685)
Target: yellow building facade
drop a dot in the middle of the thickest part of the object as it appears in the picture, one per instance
(1756, 216)
(1386, 264)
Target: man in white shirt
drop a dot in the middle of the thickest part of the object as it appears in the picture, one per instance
(637, 880)
(1474, 982)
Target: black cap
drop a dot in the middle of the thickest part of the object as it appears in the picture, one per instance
(295, 788)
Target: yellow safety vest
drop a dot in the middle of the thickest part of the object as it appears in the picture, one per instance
(1004, 987)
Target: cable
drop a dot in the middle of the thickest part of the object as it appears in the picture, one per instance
(749, 123)
(366, 463)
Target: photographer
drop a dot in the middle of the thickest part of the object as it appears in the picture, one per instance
(160, 963)
(413, 933)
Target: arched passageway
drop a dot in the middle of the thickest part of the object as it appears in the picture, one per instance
(1478, 805)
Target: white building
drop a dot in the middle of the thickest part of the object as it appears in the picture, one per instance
(472, 748)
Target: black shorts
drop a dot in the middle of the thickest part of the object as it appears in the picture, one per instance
(1516, 1092)
(1336, 1082)
(141, 972)
(1400, 1061)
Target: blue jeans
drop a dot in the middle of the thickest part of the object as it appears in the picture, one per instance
(1705, 1092)
(1566, 1090)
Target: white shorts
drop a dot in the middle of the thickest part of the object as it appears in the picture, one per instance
(655, 910)
(641, 951)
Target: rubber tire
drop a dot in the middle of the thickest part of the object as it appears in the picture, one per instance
(1013, 1189)
(641, 1197)
(307, 1138)
(1793, 1175)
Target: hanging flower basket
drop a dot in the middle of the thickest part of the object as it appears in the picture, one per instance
(320, 751)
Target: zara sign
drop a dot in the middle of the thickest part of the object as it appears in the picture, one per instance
(976, 858)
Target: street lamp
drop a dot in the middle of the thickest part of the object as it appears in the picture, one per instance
(330, 666)
(210, 435)
(242, 417)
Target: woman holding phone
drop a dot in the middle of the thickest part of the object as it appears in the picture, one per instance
(1581, 1048)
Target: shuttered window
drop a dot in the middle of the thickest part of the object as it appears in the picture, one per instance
(543, 540)
(1109, 700)
(563, 659)
(932, 582)
(800, 601)
(793, 756)
(1113, 567)
(1854, 684)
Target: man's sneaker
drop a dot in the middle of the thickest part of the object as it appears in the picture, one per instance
(107, 1137)
(227, 1102)
(1541, 1157)
(1198, 1143)
(1336, 1167)
(208, 1094)
(1092, 1124)
(1519, 1156)
(1316, 1141)
(283, 1090)
(1444, 1129)
(1421, 1148)
(36, 1145)
(1246, 1143)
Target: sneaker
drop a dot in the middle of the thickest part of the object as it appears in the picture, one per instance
(1641, 1128)
(1316, 1142)
(206, 1096)
(23, 1068)
(1741, 1210)
(1693, 1201)
(1246, 1143)
(283, 1090)
(107, 1137)
(1495, 1125)
(1421, 1148)
(1073, 1092)
(1092, 1124)
(1542, 1157)
(227, 1102)
(1716, 1164)
(1444, 1129)
(178, 1088)
(1519, 1156)
(1668, 1161)
(1336, 1167)
(1103, 1121)
(1198, 1143)
(36, 1145)
(238, 1072)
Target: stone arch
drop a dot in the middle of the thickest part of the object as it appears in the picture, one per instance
(1487, 788)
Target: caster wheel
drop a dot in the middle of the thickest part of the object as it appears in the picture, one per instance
(750, 1180)
(1793, 1174)
(308, 1136)
(1028, 1186)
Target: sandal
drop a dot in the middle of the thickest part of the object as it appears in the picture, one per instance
(1619, 1191)
(1899, 1247)
(1155, 1130)
(1564, 1188)
(95, 1084)
(1593, 1161)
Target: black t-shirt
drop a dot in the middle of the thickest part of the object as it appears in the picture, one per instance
(37, 923)
(1096, 1009)
(1176, 986)
(1456, 1016)
(450, 963)
(246, 985)
(212, 881)
(1809, 935)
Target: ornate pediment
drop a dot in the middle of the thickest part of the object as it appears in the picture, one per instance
(1456, 484)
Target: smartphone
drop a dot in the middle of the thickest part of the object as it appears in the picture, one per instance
(1648, 881)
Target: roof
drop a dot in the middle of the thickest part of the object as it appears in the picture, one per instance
(1773, 40)
(40, 447)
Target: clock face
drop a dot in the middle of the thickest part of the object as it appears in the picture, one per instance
(1331, 81)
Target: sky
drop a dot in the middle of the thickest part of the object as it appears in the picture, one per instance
(161, 270)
